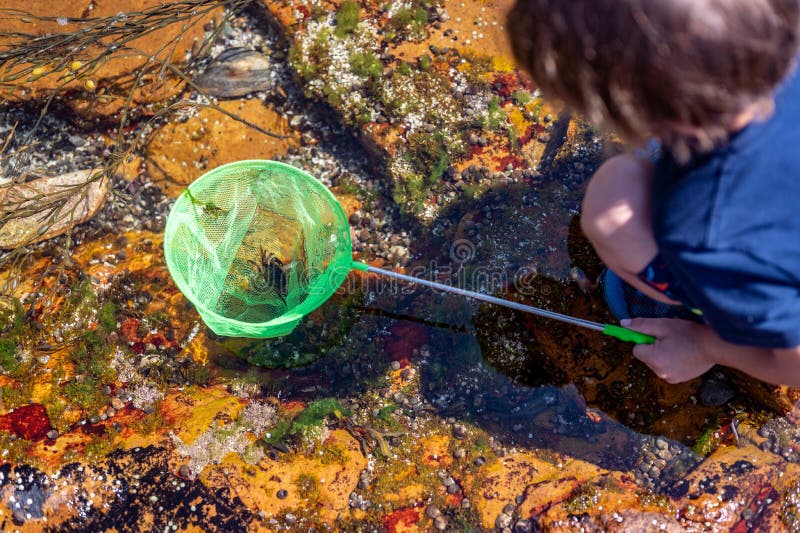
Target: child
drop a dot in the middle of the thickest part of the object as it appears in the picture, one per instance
(714, 223)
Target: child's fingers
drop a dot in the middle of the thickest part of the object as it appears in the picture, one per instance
(644, 352)
(656, 327)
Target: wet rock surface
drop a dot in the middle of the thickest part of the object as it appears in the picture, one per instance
(391, 408)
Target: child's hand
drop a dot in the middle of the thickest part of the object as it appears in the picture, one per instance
(679, 353)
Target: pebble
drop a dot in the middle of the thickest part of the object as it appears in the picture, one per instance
(523, 526)
(466, 504)
(460, 431)
(52, 434)
(502, 521)
(184, 471)
(440, 523)
(235, 73)
(395, 365)
(432, 512)
(408, 374)
(459, 453)
(282, 494)
(509, 509)
(117, 404)
(715, 393)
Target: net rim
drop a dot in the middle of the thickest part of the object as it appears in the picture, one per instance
(290, 315)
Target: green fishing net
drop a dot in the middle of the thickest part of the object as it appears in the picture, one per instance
(255, 246)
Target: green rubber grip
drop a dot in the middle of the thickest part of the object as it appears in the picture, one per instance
(628, 335)
(361, 267)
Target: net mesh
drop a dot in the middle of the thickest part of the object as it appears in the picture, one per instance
(255, 246)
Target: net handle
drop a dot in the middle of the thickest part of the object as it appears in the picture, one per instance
(618, 332)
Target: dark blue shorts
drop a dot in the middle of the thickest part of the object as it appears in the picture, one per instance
(657, 276)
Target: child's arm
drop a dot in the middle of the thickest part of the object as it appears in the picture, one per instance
(685, 350)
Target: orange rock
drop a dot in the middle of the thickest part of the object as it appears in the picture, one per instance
(734, 489)
(332, 482)
(182, 150)
(434, 451)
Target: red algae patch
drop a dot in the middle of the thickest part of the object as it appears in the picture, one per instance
(403, 340)
(28, 422)
(401, 520)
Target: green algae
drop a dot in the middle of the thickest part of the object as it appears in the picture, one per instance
(385, 413)
(425, 62)
(307, 422)
(278, 433)
(412, 19)
(332, 454)
(17, 451)
(366, 65)
(305, 70)
(347, 18)
(409, 23)
(92, 369)
(152, 422)
(107, 316)
(522, 97)
(403, 68)
(56, 406)
(8, 350)
(315, 414)
(83, 394)
(582, 499)
(12, 397)
(496, 116)
(100, 447)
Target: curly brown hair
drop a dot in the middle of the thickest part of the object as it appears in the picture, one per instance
(681, 70)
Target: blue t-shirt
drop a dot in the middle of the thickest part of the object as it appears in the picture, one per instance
(728, 228)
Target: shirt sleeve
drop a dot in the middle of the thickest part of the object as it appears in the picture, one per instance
(745, 299)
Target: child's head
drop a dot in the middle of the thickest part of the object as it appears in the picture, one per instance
(681, 70)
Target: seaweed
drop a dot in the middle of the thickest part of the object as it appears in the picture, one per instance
(522, 97)
(425, 62)
(107, 316)
(495, 115)
(8, 350)
(315, 414)
(366, 65)
(307, 422)
(409, 22)
(347, 18)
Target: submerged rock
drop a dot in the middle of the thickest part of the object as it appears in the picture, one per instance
(76, 198)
